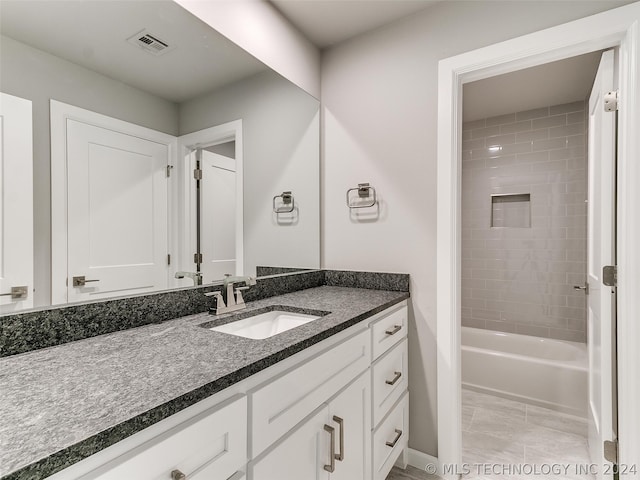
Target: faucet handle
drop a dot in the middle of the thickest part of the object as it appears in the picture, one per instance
(218, 298)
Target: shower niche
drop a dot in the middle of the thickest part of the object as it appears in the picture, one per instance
(511, 210)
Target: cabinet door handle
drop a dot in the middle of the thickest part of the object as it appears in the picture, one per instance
(395, 440)
(332, 447)
(394, 330)
(178, 475)
(395, 378)
(340, 422)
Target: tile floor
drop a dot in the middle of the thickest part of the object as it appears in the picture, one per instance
(503, 433)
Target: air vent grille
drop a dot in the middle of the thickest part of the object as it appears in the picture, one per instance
(150, 43)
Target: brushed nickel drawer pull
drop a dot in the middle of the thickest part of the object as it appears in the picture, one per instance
(340, 422)
(395, 440)
(178, 475)
(395, 379)
(394, 330)
(332, 431)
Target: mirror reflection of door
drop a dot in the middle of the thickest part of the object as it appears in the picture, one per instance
(213, 224)
(218, 211)
(112, 225)
(16, 204)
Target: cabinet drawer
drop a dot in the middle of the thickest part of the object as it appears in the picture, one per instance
(389, 380)
(211, 446)
(390, 439)
(279, 405)
(389, 330)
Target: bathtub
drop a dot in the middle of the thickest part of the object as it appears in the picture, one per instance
(540, 371)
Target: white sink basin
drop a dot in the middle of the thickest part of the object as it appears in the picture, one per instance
(265, 325)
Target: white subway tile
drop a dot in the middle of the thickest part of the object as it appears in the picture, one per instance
(535, 113)
(567, 108)
(549, 122)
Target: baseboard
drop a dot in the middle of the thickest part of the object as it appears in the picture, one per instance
(423, 461)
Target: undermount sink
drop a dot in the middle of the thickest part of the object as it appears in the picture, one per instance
(265, 325)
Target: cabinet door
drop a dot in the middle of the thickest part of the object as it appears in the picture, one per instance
(301, 455)
(350, 415)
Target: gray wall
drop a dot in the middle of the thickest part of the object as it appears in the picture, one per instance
(281, 143)
(379, 94)
(521, 279)
(37, 76)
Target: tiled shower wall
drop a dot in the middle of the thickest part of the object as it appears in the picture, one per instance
(520, 279)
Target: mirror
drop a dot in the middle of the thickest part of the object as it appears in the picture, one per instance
(162, 152)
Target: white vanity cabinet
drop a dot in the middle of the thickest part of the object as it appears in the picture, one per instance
(337, 410)
(209, 446)
(332, 443)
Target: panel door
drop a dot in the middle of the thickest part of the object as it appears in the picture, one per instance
(301, 455)
(16, 203)
(116, 212)
(219, 215)
(350, 415)
(600, 252)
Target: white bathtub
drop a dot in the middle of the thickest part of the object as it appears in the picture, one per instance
(540, 371)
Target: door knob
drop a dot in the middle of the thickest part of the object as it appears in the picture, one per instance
(584, 287)
(17, 293)
(81, 281)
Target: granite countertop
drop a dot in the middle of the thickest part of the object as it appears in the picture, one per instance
(64, 403)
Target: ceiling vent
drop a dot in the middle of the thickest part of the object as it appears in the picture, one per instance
(150, 43)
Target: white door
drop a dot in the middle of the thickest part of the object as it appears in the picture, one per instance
(302, 455)
(16, 204)
(600, 252)
(350, 415)
(116, 213)
(218, 216)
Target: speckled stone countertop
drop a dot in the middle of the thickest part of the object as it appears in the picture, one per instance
(61, 404)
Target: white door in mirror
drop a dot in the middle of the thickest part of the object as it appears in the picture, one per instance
(16, 204)
(117, 213)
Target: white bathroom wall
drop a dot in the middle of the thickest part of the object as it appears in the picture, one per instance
(261, 30)
(281, 145)
(518, 274)
(379, 94)
(38, 76)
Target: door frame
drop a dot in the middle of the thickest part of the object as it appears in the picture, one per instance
(619, 27)
(183, 210)
(60, 113)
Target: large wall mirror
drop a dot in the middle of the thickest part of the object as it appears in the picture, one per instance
(158, 153)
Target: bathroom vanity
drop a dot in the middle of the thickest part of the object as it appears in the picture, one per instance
(177, 400)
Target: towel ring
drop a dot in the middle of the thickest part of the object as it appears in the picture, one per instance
(287, 200)
(364, 191)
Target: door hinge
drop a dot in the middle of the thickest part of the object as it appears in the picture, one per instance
(169, 168)
(197, 258)
(611, 451)
(168, 259)
(197, 174)
(610, 275)
(611, 101)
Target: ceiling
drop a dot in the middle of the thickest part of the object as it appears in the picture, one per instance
(328, 22)
(554, 83)
(94, 35)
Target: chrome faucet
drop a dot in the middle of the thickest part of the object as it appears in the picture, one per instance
(195, 276)
(234, 295)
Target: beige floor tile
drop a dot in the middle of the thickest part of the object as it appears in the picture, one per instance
(556, 420)
(474, 399)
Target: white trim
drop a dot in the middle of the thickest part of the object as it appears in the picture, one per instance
(59, 114)
(421, 460)
(614, 27)
(205, 138)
